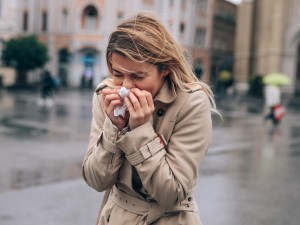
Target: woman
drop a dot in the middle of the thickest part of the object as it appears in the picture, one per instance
(152, 154)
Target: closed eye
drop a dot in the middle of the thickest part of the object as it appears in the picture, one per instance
(138, 77)
(116, 73)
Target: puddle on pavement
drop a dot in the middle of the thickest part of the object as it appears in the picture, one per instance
(294, 149)
(85, 112)
(40, 175)
(295, 132)
(254, 109)
(20, 130)
(61, 110)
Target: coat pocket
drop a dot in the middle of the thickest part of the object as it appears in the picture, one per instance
(106, 212)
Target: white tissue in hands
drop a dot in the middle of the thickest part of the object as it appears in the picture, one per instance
(120, 110)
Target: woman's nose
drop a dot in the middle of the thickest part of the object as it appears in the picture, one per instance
(127, 83)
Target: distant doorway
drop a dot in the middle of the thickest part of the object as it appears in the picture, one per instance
(198, 68)
(297, 82)
(88, 58)
(63, 66)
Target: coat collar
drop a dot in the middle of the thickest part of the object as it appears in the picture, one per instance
(167, 93)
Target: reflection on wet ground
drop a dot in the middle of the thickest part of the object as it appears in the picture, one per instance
(42, 174)
(250, 174)
(42, 130)
(251, 171)
(19, 130)
(250, 166)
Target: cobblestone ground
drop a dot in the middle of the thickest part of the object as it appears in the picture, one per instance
(250, 175)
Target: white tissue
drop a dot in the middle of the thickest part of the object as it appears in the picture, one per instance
(121, 109)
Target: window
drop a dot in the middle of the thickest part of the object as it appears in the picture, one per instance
(25, 21)
(63, 56)
(120, 16)
(182, 29)
(44, 20)
(90, 18)
(64, 20)
(219, 43)
(200, 37)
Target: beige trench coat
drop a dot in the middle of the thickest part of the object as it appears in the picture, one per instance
(146, 173)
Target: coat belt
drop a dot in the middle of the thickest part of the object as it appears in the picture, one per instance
(150, 211)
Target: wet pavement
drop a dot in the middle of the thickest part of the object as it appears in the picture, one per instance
(250, 175)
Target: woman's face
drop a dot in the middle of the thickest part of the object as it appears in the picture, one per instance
(131, 74)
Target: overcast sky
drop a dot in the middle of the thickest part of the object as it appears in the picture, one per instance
(234, 1)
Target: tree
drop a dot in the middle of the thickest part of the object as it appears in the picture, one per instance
(24, 54)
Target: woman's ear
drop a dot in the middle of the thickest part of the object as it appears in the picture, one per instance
(165, 73)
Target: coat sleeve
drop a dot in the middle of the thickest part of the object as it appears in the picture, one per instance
(169, 173)
(103, 159)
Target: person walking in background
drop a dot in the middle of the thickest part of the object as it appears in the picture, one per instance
(272, 100)
(149, 155)
(273, 82)
(47, 86)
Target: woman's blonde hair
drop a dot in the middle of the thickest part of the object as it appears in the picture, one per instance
(144, 38)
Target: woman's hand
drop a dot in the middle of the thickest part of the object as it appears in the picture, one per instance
(111, 99)
(140, 106)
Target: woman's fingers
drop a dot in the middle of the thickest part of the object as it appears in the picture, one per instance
(129, 105)
(134, 101)
(140, 106)
(111, 97)
(144, 97)
(108, 91)
(149, 99)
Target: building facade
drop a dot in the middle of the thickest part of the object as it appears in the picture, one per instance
(76, 31)
(214, 38)
(223, 38)
(268, 40)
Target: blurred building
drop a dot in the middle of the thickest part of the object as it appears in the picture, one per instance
(268, 40)
(223, 38)
(8, 29)
(76, 32)
(214, 35)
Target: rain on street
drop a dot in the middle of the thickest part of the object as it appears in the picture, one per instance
(249, 176)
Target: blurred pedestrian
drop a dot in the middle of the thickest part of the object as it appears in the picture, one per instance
(151, 156)
(47, 86)
(224, 82)
(273, 104)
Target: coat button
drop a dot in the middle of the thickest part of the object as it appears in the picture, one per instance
(190, 199)
(160, 112)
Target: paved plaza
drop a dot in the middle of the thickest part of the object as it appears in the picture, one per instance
(250, 175)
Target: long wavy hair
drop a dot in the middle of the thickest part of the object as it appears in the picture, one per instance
(143, 38)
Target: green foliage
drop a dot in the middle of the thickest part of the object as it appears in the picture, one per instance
(256, 86)
(25, 53)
